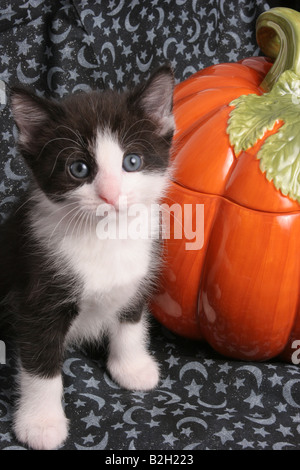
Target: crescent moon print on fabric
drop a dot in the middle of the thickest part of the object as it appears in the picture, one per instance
(161, 17)
(58, 38)
(51, 72)
(197, 32)
(117, 9)
(83, 61)
(287, 392)
(67, 366)
(255, 371)
(110, 47)
(97, 399)
(144, 67)
(192, 420)
(9, 173)
(194, 366)
(203, 401)
(174, 398)
(23, 78)
(128, 26)
(81, 87)
(265, 421)
(127, 417)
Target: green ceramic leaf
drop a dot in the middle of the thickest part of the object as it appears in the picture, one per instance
(253, 115)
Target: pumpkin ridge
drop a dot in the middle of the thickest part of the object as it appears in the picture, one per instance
(294, 334)
(199, 194)
(181, 135)
(247, 86)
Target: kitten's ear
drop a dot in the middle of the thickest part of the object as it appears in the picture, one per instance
(156, 99)
(30, 113)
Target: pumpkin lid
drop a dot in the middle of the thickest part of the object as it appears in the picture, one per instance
(278, 34)
(237, 123)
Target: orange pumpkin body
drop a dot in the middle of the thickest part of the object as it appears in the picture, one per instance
(240, 290)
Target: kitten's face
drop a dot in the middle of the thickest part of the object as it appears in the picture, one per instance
(99, 148)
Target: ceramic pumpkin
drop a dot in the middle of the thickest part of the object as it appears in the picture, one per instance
(237, 155)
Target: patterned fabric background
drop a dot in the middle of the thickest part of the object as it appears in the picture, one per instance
(204, 401)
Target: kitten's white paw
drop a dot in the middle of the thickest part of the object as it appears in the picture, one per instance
(42, 431)
(140, 374)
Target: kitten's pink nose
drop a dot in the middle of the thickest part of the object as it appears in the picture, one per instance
(108, 189)
(107, 200)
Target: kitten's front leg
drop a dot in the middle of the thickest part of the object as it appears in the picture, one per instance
(39, 421)
(129, 362)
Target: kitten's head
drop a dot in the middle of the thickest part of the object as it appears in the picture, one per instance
(99, 147)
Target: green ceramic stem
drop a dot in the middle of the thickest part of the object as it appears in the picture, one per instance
(278, 36)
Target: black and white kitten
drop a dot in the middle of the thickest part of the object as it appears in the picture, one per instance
(61, 281)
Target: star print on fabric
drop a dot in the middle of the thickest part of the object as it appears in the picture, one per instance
(23, 47)
(92, 420)
(254, 400)
(193, 388)
(169, 439)
(225, 435)
(118, 406)
(92, 383)
(88, 438)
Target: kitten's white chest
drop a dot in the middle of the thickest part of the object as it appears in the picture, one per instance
(106, 265)
(110, 271)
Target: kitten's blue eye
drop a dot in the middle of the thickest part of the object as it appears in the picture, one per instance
(132, 162)
(79, 170)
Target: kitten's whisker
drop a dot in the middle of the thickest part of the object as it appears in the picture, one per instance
(57, 225)
(62, 207)
(124, 137)
(146, 147)
(27, 200)
(86, 222)
(82, 222)
(151, 132)
(71, 222)
(66, 148)
(76, 133)
(92, 224)
(148, 143)
(76, 210)
(74, 221)
(78, 223)
(142, 131)
(134, 142)
(55, 139)
(76, 150)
